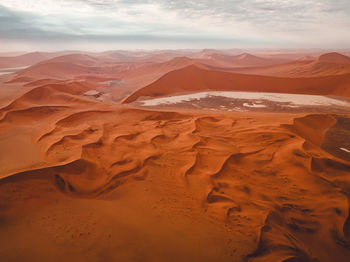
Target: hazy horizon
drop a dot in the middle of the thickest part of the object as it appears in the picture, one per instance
(99, 25)
(184, 51)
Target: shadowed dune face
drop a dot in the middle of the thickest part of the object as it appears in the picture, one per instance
(330, 132)
(116, 183)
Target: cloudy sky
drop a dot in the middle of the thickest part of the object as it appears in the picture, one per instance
(152, 24)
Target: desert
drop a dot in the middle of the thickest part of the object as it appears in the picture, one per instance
(158, 131)
(169, 174)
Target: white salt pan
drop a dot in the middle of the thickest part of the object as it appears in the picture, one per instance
(294, 99)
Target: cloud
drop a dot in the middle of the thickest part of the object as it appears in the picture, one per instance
(216, 23)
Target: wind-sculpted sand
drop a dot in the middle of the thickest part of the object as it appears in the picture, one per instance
(85, 181)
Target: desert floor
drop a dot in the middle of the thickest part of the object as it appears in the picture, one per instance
(87, 181)
(83, 179)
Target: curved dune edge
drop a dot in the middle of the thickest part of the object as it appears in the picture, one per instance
(268, 186)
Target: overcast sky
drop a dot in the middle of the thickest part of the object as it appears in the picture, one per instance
(155, 24)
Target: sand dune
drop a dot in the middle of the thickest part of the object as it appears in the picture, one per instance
(324, 65)
(132, 75)
(137, 74)
(23, 60)
(334, 58)
(87, 67)
(160, 68)
(156, 56)
(27, 59)
(195, 79)
(245, 60)
(69, 67)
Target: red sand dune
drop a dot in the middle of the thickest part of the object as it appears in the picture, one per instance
(91, 68)
(244, 60)
(27, 59)
(334, 58)
(86, 66)
(164, 67)
(79, 59)
(23, 60)
(194, 79)
(157, 56)
(63, 70)
(324, 65)
(170, 65)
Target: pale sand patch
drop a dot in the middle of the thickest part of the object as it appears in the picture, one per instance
(344, 149)
(92, 93)
(253, 105)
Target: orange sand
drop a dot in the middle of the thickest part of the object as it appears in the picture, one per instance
(82, 180)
